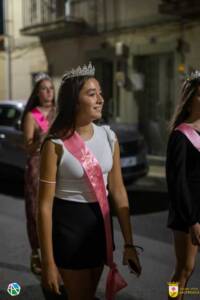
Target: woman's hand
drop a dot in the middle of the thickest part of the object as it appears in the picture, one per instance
(51, 279)
(195, 234)
(130, 258)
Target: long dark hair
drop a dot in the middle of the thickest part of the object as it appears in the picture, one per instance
(34, 100)
(182, 111)
(68, 97)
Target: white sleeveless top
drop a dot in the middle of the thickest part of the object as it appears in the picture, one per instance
(71, 183)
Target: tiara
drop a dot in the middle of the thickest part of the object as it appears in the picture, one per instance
(41, 76)
(84, 71)
(194, 75)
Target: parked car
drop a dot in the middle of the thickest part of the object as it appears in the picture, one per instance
(12, 152)
(133, 151)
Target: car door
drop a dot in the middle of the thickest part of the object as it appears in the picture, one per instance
(12, 152)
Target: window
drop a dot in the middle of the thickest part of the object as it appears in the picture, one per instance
(9, 115)
(33, 11)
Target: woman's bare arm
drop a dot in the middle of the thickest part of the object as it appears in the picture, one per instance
(29, 128)
(120, 200)
(48, 169)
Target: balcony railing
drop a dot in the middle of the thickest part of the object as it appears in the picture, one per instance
(182, 8)
(53, 17)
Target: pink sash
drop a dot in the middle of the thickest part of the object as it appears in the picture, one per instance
(190, 133)
(40, 119)
(94, 175)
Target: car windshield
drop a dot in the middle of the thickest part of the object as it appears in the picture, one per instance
(9, 115)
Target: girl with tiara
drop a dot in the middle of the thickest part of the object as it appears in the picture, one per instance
(78, 161)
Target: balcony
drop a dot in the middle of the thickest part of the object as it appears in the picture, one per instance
(180, 8)
(54, 19)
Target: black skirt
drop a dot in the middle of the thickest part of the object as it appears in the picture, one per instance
(78, 235)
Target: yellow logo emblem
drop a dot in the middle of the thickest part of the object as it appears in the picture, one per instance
(173, 289)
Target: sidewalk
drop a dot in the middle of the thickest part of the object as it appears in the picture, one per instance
(156, 171)
(156, 166)
(155, 181)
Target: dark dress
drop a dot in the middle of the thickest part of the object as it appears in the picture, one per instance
(183, 180)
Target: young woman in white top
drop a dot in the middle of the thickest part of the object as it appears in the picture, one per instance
(71, 225)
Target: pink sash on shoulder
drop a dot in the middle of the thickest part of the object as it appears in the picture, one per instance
(40, 119)
(94, 175)
(190, 133)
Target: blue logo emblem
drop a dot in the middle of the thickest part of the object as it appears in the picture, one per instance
(14, 289)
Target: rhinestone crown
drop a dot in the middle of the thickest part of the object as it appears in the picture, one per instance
(194, 75)
(84, 71)
(41, 76)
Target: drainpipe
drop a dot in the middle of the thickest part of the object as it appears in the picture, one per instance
(8, 49)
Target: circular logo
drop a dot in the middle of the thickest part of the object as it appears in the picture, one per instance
(14, 289)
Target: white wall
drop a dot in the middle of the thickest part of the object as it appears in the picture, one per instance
(3, 87)
(23, 65)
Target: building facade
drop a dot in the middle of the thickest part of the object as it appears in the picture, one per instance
(140, 50)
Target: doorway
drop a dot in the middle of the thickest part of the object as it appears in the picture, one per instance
(156, 100)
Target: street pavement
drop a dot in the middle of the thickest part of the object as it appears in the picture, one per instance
(149, 226)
